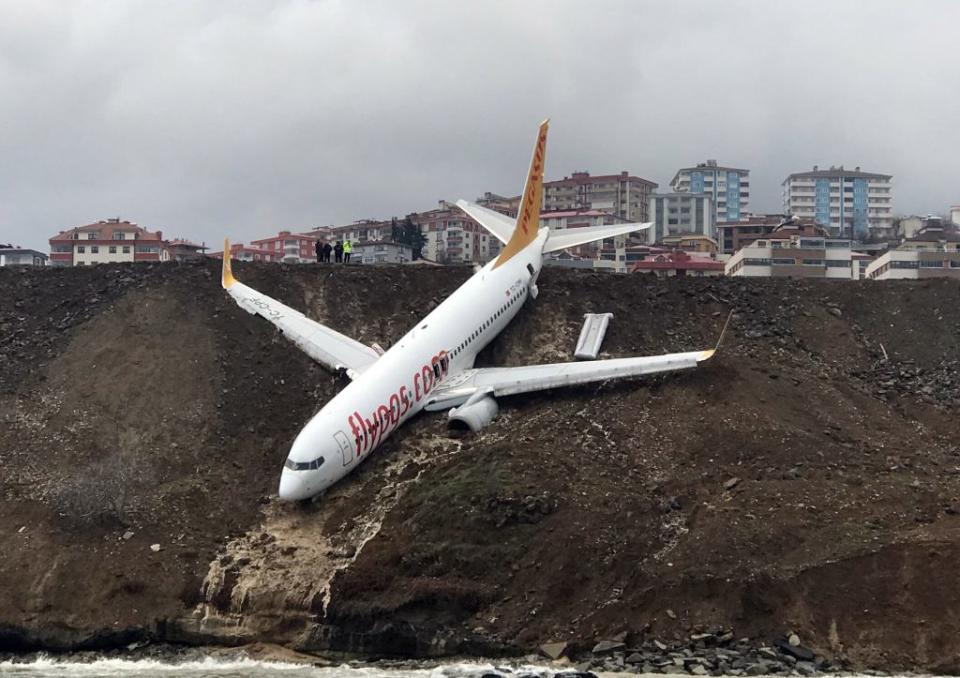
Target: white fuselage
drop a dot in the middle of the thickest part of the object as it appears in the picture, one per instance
(397, 386)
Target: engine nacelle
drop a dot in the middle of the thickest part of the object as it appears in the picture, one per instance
(473, 414)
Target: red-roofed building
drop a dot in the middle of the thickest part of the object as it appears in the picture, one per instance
(180, 249)
(240, 252)
(108, 241)
(670, 264)
(290, 248)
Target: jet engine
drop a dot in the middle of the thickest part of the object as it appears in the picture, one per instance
(474, 414)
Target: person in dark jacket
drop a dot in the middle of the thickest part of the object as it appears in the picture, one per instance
(327, 249)
(338, 252)
(318, 248)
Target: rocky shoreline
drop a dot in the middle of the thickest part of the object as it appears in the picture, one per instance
(717, 653)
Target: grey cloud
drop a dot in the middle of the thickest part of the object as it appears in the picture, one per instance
(240, 118)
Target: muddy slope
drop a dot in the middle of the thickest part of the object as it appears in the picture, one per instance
(800, 480)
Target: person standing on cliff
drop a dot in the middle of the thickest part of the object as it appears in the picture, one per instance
(347, 249)
(318, 248)
(338, 252)
(327, 249)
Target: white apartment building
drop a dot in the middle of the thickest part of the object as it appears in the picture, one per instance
(381, 252)
(107, 241)
(680, 213)
(934, 252)
(728, 188)
(798, 256)
(955, 214)
(851, 203)
(17, 256)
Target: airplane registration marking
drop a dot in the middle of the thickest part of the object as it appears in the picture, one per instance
(368, 433)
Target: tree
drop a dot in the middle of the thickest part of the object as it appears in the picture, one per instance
(410, 234)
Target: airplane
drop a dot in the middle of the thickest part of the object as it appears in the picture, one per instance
(431, 367)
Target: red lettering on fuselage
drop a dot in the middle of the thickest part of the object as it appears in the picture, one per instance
(367, 433)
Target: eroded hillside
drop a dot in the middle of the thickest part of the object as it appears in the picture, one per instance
(807, 478)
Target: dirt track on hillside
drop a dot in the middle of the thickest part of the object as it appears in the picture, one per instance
(797, 481)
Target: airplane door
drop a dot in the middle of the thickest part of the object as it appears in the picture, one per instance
(345, 448)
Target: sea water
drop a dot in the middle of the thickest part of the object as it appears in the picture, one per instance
(210, 667)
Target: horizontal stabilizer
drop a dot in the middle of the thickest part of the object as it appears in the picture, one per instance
(500, 225)
(571, 237)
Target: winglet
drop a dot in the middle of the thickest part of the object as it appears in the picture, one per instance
(706, 355)
(528, 220)
(227, 279)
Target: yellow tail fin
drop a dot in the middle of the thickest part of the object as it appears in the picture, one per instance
(227, 279)
(528, 219)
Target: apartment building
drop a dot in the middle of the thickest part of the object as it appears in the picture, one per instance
(852, 203)
(362, 230)
(287, 247)
(452, 237)
(107, 241)
(728, 188)
(498, 203)
(955, 214)
(678, 264)
(787, 253)
(679, 213)
(701, 245)
(180, 249)
(18, 256)
(735, 235)
(241, 252)
(622, 195)
(934, 252)
(381, 252)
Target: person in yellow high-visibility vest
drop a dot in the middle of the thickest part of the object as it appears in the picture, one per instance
(347, 249)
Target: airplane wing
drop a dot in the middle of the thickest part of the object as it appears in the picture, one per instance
(328, 347)
(503, 381)
(500, 225)
(571, 237)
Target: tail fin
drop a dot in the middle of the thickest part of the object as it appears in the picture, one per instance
(528, 221)
(226, 279)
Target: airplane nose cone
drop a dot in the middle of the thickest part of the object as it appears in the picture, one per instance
(292, 486)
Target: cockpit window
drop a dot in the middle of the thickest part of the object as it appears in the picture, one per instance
(304, 465)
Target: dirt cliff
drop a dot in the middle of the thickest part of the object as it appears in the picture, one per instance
(807, 478)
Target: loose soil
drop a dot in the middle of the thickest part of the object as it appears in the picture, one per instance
(807, 478)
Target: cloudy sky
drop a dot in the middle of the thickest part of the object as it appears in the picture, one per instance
(241, 117)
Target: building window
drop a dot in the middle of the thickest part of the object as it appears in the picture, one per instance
(837, 263)
(113, 249)
(94, 249)
(813, 262)
(81, 249)
(91, 236)
(119, 235)
(126, 249)
(784, 262)
(926, 263)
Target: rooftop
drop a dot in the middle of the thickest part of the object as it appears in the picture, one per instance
(677, 260)
(586, 178)
(107, 228)
(855, 173)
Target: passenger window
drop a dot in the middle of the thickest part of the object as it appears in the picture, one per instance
(436, 370)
